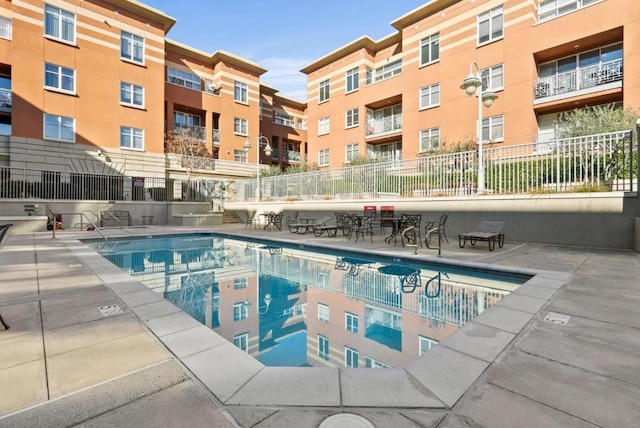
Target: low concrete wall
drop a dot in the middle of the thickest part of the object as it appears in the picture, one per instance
(600, 220)
(196, 220)
(25, 224)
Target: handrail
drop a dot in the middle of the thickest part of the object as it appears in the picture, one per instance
(415, 240)
(95, 214)
(55, 215)
(427, 240)
(114, 217)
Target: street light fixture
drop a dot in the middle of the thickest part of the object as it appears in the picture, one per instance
(261, 310)
(473, 85)
(267, 151)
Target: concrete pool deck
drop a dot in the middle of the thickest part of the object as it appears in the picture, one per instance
(62, 363)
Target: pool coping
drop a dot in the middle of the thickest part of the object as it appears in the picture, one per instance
(435, 380)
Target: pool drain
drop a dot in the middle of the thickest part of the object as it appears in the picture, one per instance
(346, 420)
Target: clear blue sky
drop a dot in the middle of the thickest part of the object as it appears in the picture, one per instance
(280, 35)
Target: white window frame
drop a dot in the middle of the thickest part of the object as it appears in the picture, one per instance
(427, 137)
(186, 119)
(134, 44)
(350, 357)
(240, 126)
(351, 152)
(493, 78)
(60, 73)
(324, 312)
(61, 16)
(184, 79)
(323, 347)
(323, 91)
(352, 80)
(352, 118)
(491, 125)
(133, 92)
(240, 92)
(324, 126)
(132, 134)
(240, 311)
(351, 322)
(241, 341)
(430, 343)
(490, 19)
(375, 364)
(6, 28)
(384, 72)
(323, 157)
(430, 42)
(430, 96)
(61, 122)
(549, 9)
(240, 156)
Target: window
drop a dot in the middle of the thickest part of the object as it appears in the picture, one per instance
(59, 128)
(323, 126)
(132, 95)
(59, 24)
(240, 156)
(551, 8)
(240, 311)
(492, 78)
(185, 119)
(490, 25)
(323, 157)
(429, 140)
(323, 91)
(425, 344)
(430, 49)
(240, 126)
(352, 78)
(59, 78)
(239, 283)
(352, 118)
(493, 129)
(6, 28)
(183, 78)
(351, 323)
(385, 72)
(131, 47)
(430, 96)
(323, 347)
(131, 138)
(241, 341)
(323, 312)
(370, 363)
(350, 357)
(241, 92)
(352, 151)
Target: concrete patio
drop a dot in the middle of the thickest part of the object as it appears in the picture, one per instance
(62, 363)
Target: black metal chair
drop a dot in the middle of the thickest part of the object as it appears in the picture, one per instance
(441, 228)
(411, 224)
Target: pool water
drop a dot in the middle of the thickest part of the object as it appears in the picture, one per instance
(299, 306)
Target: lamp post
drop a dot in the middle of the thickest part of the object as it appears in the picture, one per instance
(473, 85)
(267, 151)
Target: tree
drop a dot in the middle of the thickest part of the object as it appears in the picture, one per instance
(596, 120)
(189, 147)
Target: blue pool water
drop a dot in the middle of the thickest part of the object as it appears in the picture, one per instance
(298, 306)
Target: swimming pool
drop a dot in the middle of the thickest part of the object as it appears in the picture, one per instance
(296, 306)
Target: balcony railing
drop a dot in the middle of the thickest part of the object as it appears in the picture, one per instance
(580, 79)
(284, 121)
(215, 136)
(5, 100)
(193, 131)
(384, 126)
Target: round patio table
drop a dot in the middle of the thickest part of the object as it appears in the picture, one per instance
(409, 277)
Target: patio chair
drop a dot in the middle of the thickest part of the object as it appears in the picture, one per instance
(304, 227)
(363, 227)
(490, 231)
(440, 226)
(411, 236)
(343, 222)
(252, 219)
(293, 218)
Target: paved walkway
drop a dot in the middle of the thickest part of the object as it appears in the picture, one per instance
(62, 363)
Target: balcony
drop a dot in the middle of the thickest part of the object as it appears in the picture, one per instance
(384, 126)
(284, 121)
(603, 76)
(5, 100)
(192, 131)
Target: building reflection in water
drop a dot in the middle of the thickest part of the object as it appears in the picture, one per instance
(291, 307)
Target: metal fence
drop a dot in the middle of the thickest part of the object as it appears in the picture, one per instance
(18, 183)
(604, 162)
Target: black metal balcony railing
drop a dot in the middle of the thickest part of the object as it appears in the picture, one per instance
(193, 131)
(577, 80)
